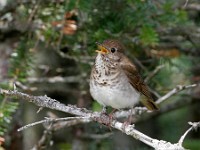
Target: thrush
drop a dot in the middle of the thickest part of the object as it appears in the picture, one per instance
(115, 80)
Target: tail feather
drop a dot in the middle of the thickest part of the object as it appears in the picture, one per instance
(150, 104)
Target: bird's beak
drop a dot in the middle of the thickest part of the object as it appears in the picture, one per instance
(101, 48)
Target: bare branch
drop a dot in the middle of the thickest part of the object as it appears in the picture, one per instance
(186, 3)
(56, 79)
(67, 121)
(153, 73)
(194, 125)
(44, 101)
(97, 136)
(194, 6)
(174, 91)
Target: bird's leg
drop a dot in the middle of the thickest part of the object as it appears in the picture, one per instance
(130, 116)
(111, 114)
(129, 120)
(103, 117)
(106, 118)
(103, 110)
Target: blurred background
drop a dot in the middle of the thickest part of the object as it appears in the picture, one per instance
(48, 48)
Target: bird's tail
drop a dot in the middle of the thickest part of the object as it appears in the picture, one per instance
(150, 104)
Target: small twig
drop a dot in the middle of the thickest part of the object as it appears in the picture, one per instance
(54, 126)
(44, 142)
(34, 10)
(32, 124)
(97, 136)
(53, 120)
(186, 3)
(193, 6)
(56, 79)
(154, 93)
(25, 88)
(137, 61)
(194, 125)
(174, 91)
(40, 109)
(153, 73)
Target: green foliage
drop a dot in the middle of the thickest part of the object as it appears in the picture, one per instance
(192, 143)
(65, 146)
(171, 133)
(148, 36)
(101, 19)
(96, 106)
(20, 67)
(166, 78)
(21, 60)
(6, 110)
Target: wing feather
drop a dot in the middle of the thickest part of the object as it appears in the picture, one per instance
(137, 82)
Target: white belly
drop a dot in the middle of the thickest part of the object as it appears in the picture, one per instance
(119, 96)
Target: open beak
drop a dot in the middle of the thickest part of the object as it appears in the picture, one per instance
(101, 48)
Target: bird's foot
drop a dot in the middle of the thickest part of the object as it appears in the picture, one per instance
(105, 118)
(127, 124)
(111, 116)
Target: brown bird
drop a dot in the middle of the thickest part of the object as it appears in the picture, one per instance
(115, 81)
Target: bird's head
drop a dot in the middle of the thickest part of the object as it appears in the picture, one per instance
(110, 49)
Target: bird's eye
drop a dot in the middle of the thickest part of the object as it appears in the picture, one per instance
(113, 50)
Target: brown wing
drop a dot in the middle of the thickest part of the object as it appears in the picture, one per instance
(137, 82)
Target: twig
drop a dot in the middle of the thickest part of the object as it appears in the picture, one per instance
(44, 142)
(56, 79)
(154, 92)
(186, 3)
(53, 120)
(32, 14)
(97, 136)
(194, 125)
(55, 125)
(24, 87)
(174, 91)
(137, 61)
(194, 6)
(153, 73)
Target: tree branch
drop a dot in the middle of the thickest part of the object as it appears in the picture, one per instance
(194, 125)
(44, 101)
(54, 122)
(174, 91)
(153, 73)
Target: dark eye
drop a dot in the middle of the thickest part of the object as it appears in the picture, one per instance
(113, 50)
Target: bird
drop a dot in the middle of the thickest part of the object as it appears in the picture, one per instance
(115, 80)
